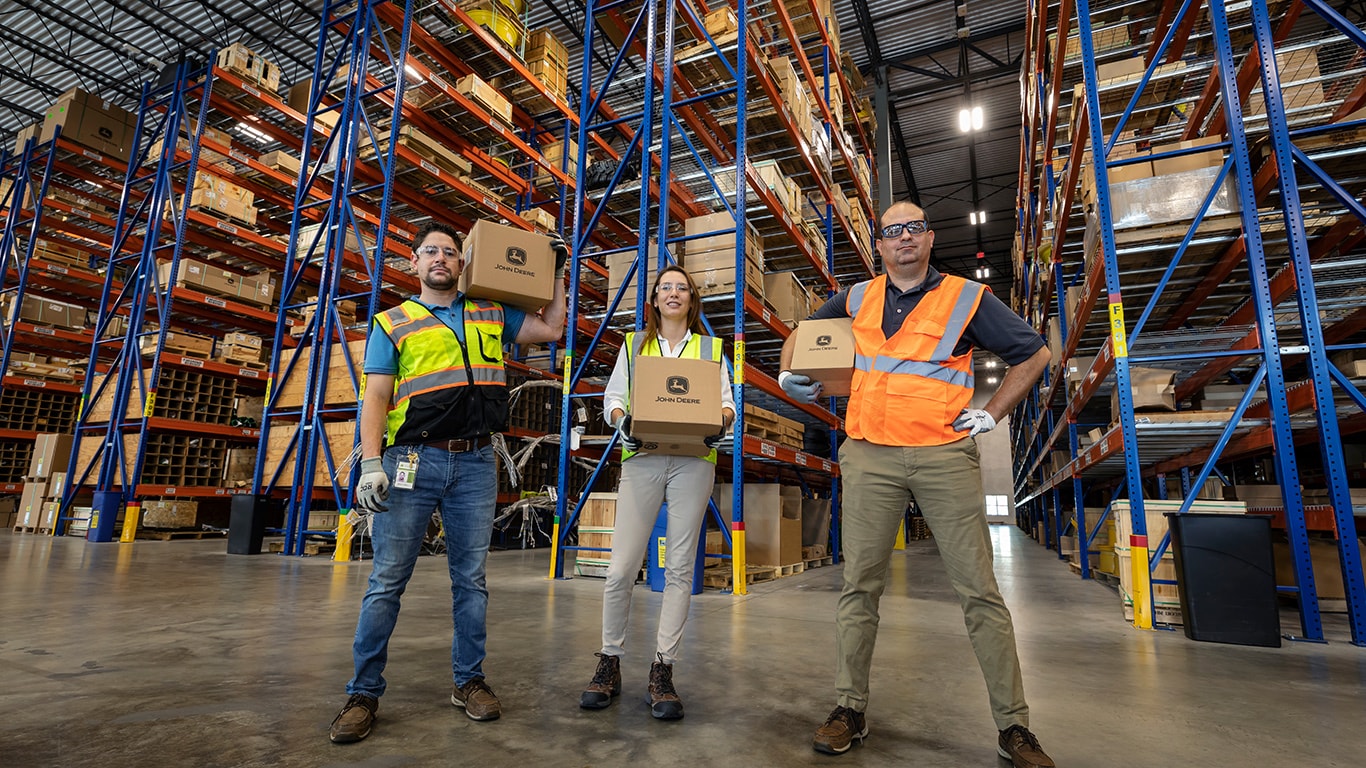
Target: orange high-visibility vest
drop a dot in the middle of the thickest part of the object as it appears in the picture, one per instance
(908, 389)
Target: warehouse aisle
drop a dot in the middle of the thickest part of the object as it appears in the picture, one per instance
(175, 654)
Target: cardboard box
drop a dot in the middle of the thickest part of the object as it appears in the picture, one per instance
(31, 503)
(785, 292)
(340, 389)
(697, 225)
(773, 522)
(721, 281)
(253, 289)
(91, 122)
(239, 339)
(242, 61)
(824, 350)
(675, 403)
(486, 95)
(1326, 564)
(1301, 85)
(239, 467)
(169, 513)
(509, 265)
(1154, 389)
(51, 453)
(815, 522)
(281, 160)
(223, 205)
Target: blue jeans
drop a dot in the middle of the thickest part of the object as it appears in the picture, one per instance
(464, 487)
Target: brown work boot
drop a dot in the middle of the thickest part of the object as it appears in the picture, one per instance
(838, 732)
(664, 701)
(477, 699)
(1020, 747)
(605, 685)
(355, 720)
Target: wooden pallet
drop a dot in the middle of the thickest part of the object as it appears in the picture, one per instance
(169, 535)
(817, 562)
(255, 365)
(721, 575)
(311, 548)
(32, 529)
(1105, 578)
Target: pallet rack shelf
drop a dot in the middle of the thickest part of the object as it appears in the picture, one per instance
(1208, 294)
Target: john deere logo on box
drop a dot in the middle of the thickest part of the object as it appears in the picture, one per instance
(677, 385)
(823, 341)
(516, 256)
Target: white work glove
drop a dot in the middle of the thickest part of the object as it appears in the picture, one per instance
(975, 420)
(372, 490)
(799, 387)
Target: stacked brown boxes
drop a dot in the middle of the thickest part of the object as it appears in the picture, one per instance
(554, 154)
(48, 312)
(169, 513)
(785, 292)
(597, 521)
(242, 61)
(223, 198)
(240, 348)
(485, 95)
(91, 122)
(618, 264)
(548, 61)
(256, 289)
(711, 259)
(787, 191)
(773, 427)
(46, 479)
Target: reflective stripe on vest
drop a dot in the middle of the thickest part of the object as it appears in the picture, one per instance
(908, 388)
(706, 348)
(430, 355)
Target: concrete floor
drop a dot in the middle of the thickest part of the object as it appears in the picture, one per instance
(175, 654)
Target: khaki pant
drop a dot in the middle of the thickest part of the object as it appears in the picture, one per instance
(647, 480)
(878, 482)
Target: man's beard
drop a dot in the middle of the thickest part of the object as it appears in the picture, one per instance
(439, 282)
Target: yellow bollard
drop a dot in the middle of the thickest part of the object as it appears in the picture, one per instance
(900, 535)
(737, 559)
(554, 549)
(344, 534)
(1142, 581)
(130, 522)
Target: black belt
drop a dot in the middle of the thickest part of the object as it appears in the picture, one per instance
(461, 446)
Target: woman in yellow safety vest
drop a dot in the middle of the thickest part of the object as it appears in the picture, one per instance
(673, 328)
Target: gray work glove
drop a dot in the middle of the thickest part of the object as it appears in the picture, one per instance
(372, 490)
(623, 427)
(561, 250)
(974, 421)
(799, 387)
(711, 440)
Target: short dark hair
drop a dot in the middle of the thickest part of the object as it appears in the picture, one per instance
(436, 226)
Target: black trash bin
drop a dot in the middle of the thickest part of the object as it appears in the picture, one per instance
(1226, 576)
(247, 524)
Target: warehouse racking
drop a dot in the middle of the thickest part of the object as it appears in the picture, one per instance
(1267, 190)
(722, 89)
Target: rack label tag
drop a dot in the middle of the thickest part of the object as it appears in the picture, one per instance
(1117, 329)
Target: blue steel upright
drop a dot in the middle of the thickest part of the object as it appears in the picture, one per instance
(352, 39)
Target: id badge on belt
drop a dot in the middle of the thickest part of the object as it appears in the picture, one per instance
(406, 473)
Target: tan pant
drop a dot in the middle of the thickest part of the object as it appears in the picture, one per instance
(946, 480)
(647, 480)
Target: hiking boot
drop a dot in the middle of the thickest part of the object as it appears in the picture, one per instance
(605, 685)
(1022, 749)
(664, 701)
(477, 699)
(838, 732)
(355, 720)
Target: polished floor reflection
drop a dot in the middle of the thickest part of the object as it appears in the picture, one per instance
(176, 654)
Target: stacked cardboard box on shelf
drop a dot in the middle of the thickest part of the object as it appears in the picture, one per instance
(45, 480)
(207, 156)
(554, 154)
(240, 349)
(771, 426)
(242, 61)
(340, 388)
(548, 61)
(787, 191)
(785, 292)
(46, 312)
(91, 122)
(711, 259)
(486, 95)
(223, 198)
(618, 264)
(256, 289)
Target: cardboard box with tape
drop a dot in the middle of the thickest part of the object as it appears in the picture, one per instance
(509, 265)
(675, 403)
(824, 350)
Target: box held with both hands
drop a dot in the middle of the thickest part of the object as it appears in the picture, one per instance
(508, 265)
(675, 404)
(824, 351)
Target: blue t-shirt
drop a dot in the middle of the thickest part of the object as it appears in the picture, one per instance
(381, 356)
